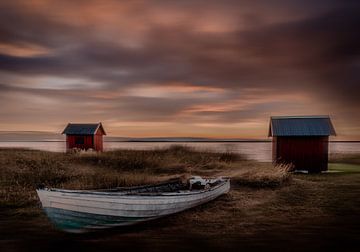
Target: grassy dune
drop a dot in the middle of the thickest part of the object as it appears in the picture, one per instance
(267, 208)
(22, 170)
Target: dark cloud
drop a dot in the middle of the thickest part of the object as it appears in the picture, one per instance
(20, 25)
(276, 48)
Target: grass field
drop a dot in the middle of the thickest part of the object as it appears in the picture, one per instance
(266, 209)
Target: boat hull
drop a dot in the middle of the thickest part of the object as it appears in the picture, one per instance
(80, 222)
(82, 211)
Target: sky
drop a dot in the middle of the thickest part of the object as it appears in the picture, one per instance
(199, 68)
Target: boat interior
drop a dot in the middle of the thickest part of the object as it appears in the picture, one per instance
(172, 185)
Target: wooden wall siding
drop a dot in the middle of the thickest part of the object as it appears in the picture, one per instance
(274, 149)
(84, 136)
(98, 141)
(88, 142)
(305, 153)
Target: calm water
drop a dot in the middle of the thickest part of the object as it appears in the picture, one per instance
(254, 150)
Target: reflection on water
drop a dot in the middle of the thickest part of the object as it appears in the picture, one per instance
(260, 151)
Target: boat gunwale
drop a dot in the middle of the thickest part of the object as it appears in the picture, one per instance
(206, 199)
(118, 203)
(122, 203)
(134, 194)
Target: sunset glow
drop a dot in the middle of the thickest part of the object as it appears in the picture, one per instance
(215, 69)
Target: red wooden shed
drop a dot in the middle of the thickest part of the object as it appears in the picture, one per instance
(84, 136)
(302, 141)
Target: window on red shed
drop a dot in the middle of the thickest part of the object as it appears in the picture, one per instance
(79, 140)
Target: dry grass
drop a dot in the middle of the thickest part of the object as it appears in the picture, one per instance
(345, 158)
(312, 212)
(23, 170)
(263, 175)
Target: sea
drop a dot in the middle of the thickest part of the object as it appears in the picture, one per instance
(259, 151)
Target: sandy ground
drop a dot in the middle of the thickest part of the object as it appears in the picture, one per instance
(313, 213)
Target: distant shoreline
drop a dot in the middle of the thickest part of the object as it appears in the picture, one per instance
(166, 141)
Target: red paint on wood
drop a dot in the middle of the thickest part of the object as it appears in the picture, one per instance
(98, 141)
(86, 142)
(305, 153)
(73, 141)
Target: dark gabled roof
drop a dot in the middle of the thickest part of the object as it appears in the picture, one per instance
(83, 129)
(301, 126)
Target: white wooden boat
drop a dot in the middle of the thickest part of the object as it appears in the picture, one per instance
(84, 210)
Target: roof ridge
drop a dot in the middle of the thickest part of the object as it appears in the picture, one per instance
(301, 117)
(84, 123)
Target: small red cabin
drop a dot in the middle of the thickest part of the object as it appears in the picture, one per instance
(84, 136)
(302, 141)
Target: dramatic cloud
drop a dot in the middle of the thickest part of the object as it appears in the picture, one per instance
(178, 68)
